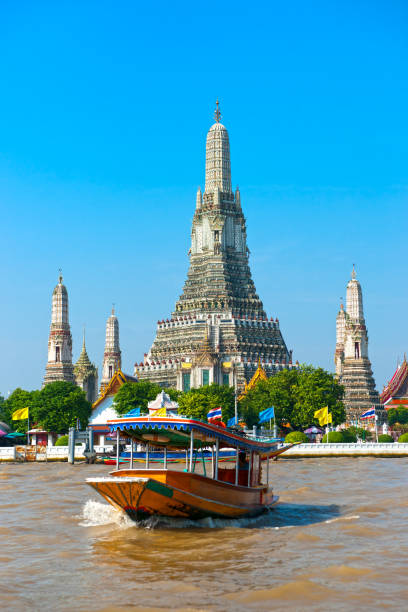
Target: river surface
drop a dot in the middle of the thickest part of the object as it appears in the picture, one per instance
(338, 540)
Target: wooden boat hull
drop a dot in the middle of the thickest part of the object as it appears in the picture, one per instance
(144, 493)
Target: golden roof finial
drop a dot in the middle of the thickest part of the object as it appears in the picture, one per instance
(217, 112)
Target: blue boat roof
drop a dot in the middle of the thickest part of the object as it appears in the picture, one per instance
(142, 428)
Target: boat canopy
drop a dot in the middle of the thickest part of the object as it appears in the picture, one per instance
(175, 432)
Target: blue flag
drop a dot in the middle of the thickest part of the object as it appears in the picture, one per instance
(231, 422)
(267, 414)
(135, 412)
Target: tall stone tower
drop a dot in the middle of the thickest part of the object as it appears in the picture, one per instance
(59, 365)
(353, 366)
(86, 375)
(219, 329)
(112, 357)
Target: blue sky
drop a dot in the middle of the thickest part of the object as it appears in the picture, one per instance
(104, 111)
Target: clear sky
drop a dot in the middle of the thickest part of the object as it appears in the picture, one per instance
(104, 111)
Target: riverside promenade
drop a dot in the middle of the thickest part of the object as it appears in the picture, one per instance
(20, 454)
(348, 449)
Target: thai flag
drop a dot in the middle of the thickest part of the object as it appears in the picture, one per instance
(368, 414)
(214, 415)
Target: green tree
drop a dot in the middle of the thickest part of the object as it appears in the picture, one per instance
(358, 432)
(349, 435)
(317, 388)
(398, 415)
(335, 437)
(55, 408)
(58, 406)
(296, 395)
(296, 436)
(385, 438)
(196, 403)
(277, 391)
(62, 441)
(134, 395)
(17, 400)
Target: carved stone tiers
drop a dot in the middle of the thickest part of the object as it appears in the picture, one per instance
(219, 330)
(59, 365)
(353, 366)
(112, 356)
(86, 375)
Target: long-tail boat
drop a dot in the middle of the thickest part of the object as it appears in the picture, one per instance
(227, 492)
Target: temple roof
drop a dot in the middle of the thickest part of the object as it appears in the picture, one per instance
(117, 380)
(396, 386)
(218, 126)
(162, 400)
(83, 360)
(260, 374)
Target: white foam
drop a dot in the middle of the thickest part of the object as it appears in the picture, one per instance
(344, 518)
(96, 513)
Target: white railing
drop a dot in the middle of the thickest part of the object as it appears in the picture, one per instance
(101, 450)
(7, 453)
(60, 453)
(349, 448)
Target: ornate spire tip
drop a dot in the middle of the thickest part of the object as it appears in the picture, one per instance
(217, 112)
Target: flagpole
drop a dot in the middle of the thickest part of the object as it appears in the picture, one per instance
(28, 424)
(376, 431)
(235, 399)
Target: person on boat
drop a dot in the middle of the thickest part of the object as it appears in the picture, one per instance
(243, 467)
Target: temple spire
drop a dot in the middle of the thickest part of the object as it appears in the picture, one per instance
(354, 299)
(218, 329)
(59, 364)
(353, 366)
(217, 158)
(217, 112)
(86, 374)
(199, 198)
(112, 357)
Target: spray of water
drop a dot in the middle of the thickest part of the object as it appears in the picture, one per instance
(283, 516)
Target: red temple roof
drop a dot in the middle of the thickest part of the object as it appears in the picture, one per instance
(396, 383)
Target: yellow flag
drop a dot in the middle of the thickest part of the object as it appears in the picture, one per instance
(160, 412)
(329, 418)
(323, 416)
(20, 414)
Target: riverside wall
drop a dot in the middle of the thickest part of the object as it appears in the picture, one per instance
(365, 449)
(15, 454)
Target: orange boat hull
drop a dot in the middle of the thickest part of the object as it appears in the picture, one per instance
(143, 493)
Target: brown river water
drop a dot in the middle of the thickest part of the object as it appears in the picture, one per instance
(338, 540)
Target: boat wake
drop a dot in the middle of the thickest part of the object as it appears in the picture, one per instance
(283, 515)
(95, 514)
